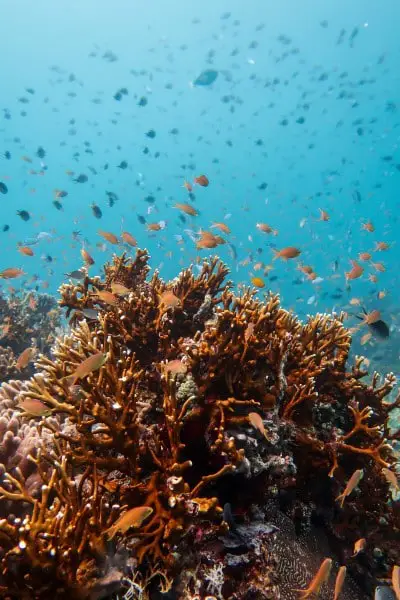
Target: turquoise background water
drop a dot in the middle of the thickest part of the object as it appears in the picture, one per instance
(232, 131)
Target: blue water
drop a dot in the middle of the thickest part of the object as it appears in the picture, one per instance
(276, 62)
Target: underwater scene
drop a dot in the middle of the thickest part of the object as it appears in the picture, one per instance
(199, 313)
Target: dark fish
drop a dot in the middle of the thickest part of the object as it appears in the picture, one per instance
(25, 216)
(6, 228)
(82, 178)
(151, 134)
(90, 313)
(379, 328)
(3, 188)
(57, 204)
(206, 77)
(96, 210)
(112, 198)
(7, 155)
(40, 153)
(141, 219)
(143, 101)
(78, 274)
(122, 165)
(384, 593)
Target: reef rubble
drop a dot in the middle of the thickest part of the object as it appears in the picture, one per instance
(186, 442)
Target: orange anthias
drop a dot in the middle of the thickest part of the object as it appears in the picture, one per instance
(320, 578)
(202, 180)
(187, 208)
(356, 271)
(131, 518)
(108, 236)
(128, 238)
(286, 253)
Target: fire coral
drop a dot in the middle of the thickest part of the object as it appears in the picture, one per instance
(164, 425)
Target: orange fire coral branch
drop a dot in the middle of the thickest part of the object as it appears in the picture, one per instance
(360, 416)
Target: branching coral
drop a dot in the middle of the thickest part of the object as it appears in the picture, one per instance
(27, 320)
(161, 420)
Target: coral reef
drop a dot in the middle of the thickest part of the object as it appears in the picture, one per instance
(186, 439)
(28, 320)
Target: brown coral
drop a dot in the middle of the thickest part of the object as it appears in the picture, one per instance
(164, 423)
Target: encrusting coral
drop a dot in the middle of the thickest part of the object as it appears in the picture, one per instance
(189, 437)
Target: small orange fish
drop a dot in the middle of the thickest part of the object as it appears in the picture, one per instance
(131, 518)
(26, 159)
(11, 273)
(372, 278)
(257, 422)
(87, 366)
(154, 226)
(222, 227)
(371, 318)
(364, 256)
(207, 240)
(188, 186)
(202, 180)
(365, 338)
(34, 407)
(378, 266)
(368, 226)
(381, 246)
(86, 257)
(108, 236)
(286, 253)
(396, 581)
(187, 208)
(319, 579)
(323, 215)
(258, 282)
(306, 269)
(119, 289)
(25, 250)
(355, 302)
(339, 581)
(359, 546)
(351, 485)
(266, 228)
(128, 239)
(175, 367)
(168, 300)
(24, 358)
(356, 271)
(381, 295)
(107, 297)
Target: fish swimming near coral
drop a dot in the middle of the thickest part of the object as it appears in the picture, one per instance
(319, 579)
(351, 485)
(132, 518)
(90, 364)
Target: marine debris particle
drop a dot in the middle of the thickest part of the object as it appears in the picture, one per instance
(142, 433)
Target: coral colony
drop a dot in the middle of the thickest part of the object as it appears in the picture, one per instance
(186, 442)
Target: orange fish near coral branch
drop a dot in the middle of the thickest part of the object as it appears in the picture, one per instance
(24, 358)
(351, 485)
(34, 407)
(132, 518)
(320, 578)
(340, 577)
(93, 363)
